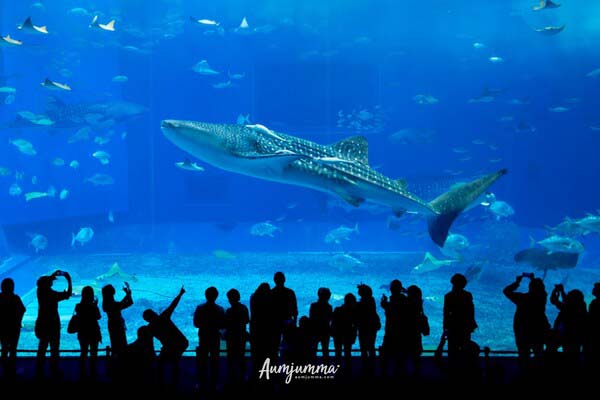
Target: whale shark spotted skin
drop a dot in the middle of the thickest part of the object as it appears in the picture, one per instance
(341, 168)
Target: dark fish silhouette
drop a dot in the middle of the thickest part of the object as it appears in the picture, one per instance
(543, 260)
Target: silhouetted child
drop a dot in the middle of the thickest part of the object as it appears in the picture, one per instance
(320, 314)
(300, 347)
(209, 318)
(368, 323)
(116, 323)
(530, 323)
(344, 330)
(236, 336)
(173, 341)
(88, 333)
(284, 311)
(11, 315)
(47, 324)
(262, 330)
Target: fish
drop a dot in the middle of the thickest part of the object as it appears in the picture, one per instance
(202, 68)
(102, 156)
(120, 79)
(206, 22)
(189, 165)
(38, 241)
(82, 115)
(550, 30)
(345, 262)
(545, 4)
(59, 162)
(74, 164)
(222, 85)
(455, 244)
(101, 140)
(63, 194)
(243, 119)
(4, 171)
(15, 190)
(48, 84)
(558, 109)
(496, 59)
(82, 237)
(430, 263)
(593, 74)
(589, 223)
(51, 192)
(341, 233)
(543, 260)
(111, 217)
(425, 99)
(100, 180)
(479, 45)
(236, 76)
(24, 146)
(110, 26)
(412, 136)
(561, 244)
(9, 41)
(8, 90)
(264, 229)
(499, 208)
(224, 255)
(341, 168)
(29, 27)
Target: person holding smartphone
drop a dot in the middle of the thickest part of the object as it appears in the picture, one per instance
(530, 323)
(47, 324)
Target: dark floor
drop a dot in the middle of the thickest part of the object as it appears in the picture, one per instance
(494, 373)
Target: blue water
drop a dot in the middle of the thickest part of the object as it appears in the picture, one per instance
(306, 66)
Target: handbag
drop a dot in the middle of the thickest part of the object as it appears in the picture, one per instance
(73, 326)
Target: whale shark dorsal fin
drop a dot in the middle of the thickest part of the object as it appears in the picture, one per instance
(355, 148)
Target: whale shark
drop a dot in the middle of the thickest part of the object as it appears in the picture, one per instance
(341, 168)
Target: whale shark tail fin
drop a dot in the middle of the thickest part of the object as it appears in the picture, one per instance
(449, 205)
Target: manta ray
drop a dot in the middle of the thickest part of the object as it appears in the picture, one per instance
(341, 168)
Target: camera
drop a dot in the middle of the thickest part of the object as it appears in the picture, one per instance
(527, 275)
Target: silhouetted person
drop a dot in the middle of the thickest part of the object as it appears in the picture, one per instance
(236, 336)
(209, 318)
(395, 334)
(320, 314)
(417, 326)
(140, 358)
(262, 330)
(570, 322)
(173, 341)
(47, 324)
(593, 335)
(459, 320)
(367, 323)
(116, 322)
(530, 323)
(301, 346)
(88, 333)
(11, 315)
(284, 310)
(343, 329)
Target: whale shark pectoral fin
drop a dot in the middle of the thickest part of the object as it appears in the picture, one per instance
(355, 148)
(348, 198)
(275, 162)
